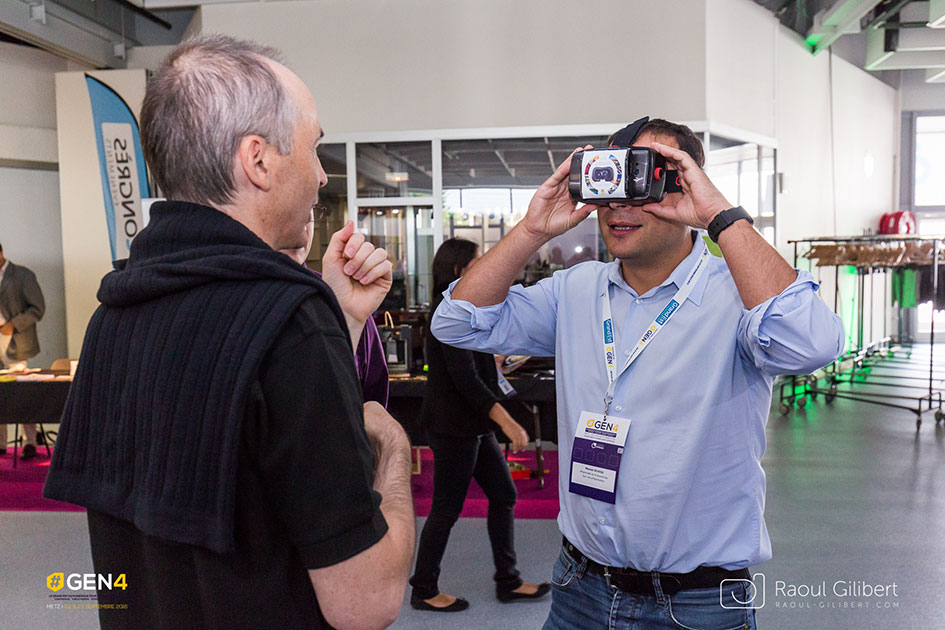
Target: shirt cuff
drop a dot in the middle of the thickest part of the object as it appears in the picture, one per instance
(797, 295)
(345, 544)
(482, 318)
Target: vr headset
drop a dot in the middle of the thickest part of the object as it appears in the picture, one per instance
(622, 173)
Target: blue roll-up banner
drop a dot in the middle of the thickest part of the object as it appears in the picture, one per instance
(121, 163)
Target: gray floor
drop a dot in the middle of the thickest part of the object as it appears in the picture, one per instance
(854, 495)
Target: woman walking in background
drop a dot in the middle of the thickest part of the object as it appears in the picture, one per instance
(460, 412)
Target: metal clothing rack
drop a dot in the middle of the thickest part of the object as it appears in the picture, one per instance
(872, 352)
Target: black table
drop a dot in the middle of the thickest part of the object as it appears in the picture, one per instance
(533, 407)
(43, 402)
(32, 402)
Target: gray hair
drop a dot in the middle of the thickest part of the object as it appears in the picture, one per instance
(209, 94)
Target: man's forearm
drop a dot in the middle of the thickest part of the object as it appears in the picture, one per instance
(392, 480)
(366, 590)
(488, 281)
(759, 270)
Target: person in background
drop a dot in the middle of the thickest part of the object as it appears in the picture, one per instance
(369, 356)
(460, 413)
(21, 306)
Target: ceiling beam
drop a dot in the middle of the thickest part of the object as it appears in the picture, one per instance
(498, 154)
(840, 19)
(935, 75)
(937, 13)
(63, 32)
(888, 49)
(885, 11)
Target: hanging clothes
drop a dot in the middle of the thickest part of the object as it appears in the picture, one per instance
(925, 288)
(905, 287)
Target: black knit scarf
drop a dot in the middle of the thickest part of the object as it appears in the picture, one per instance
(150, 432)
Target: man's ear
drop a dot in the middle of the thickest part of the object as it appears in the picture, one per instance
(253, 152)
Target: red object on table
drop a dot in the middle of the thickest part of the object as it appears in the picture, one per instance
(902, 222)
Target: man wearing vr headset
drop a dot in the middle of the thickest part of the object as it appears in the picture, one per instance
(665, 360)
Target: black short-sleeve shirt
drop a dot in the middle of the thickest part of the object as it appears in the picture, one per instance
(305, 500)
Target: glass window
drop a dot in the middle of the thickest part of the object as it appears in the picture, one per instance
(407, 235)
(333, 196)
(394, 169)
(929, 160)
(734, 169)
(768, 180)
(488, 185)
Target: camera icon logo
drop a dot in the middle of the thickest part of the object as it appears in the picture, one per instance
(742, 593)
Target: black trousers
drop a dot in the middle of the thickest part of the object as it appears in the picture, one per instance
(456, 461)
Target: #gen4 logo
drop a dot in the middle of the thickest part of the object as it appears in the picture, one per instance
(603, 426)
(85, 581)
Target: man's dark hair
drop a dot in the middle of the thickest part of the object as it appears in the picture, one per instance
(683, 135)
(1, 248)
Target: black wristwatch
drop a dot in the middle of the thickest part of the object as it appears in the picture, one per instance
(724, 219)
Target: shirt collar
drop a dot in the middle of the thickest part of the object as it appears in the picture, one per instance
(3, 267)
(677, 277)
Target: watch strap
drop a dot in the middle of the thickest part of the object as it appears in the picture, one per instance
(724, 219)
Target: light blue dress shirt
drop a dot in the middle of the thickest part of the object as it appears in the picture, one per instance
(690, 488)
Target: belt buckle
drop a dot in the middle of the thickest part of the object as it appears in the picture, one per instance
(607, 578)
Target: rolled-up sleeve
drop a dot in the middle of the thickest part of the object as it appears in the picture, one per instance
(523, 324)
(792, 333)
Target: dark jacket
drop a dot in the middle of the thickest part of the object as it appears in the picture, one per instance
(21, 302)
(168, 364)
(462, 386)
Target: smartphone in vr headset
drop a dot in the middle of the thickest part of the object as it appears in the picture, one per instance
(622, 175)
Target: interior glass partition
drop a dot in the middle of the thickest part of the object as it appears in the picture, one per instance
(746, 173)
(411, 191)
(406, 232)
(334, 196)
(394, 169)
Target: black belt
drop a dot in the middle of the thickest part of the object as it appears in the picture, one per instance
(641, 582)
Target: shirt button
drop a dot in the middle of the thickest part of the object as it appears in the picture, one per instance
(602, 520)
(626, 352)
(638, 301)
(618, 408)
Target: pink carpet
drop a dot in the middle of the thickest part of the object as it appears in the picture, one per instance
(533, 502)
(22, 489)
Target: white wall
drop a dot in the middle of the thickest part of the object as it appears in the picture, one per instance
(805, 205)
(147, 57)
(28, 104)
(30, 227)
(740, 65)
(866, 118)
(413, 64)
(31, 236)
(917, 95)
(864, 122)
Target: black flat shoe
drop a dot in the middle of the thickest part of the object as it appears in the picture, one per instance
(28, 452)
(458, 605)
(511, 596)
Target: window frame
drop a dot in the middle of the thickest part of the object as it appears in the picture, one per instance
(907, 178)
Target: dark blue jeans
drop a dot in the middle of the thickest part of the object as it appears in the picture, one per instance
(456, 461)
(581, 600)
